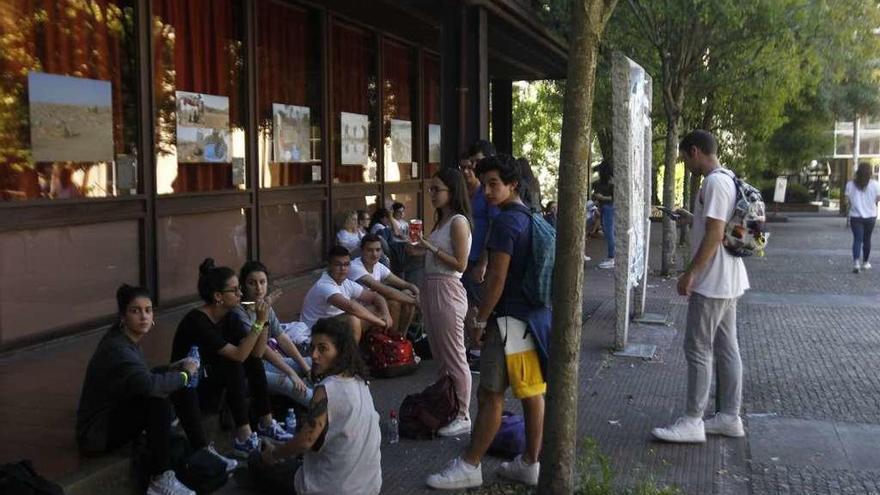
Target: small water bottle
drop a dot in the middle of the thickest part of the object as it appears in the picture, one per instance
(194, 355)
(393, 423)
(290, 422)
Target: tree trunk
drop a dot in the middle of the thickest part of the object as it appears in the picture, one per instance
(667, 263)
(589, 18)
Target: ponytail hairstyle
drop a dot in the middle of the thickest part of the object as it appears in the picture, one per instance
(348, 355)
(212, 279)
(863, 176)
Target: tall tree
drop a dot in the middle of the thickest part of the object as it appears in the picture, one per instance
(588, 20)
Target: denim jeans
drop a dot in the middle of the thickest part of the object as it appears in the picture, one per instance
(862, 228)
(608, 227)
(278, 383)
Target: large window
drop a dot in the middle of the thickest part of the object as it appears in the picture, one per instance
(289, 82)
(68, 110)
(291, 237)
(398, 112)
(199, 89)
(433, 137)
(354, 93)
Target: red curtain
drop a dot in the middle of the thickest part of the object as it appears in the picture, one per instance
(285, 49)
(432, 101)
(398, 77)
(197, 49)
(90, 39)
(351, 80)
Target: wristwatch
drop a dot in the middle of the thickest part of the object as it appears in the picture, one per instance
(479, 325)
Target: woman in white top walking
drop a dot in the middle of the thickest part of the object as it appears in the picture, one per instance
(863, 193)
(443, 299)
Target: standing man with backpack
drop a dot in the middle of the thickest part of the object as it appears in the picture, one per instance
(510, 354)
(714, 280)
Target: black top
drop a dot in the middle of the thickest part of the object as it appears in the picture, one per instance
(116, 373)
(605, 189)
(196, 328)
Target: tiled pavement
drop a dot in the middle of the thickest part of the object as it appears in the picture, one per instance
(810, 338)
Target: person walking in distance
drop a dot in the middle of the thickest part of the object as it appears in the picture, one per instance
(603, 194)
(714, 281)
(862, 193)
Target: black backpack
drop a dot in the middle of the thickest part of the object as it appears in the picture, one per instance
(198, 470)
(422, 414)
(19, 478)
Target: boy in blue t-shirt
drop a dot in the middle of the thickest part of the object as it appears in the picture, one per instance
(509, 356)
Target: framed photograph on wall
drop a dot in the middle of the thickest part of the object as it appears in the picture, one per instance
(202, 128)
(354, 138)
(291, 133)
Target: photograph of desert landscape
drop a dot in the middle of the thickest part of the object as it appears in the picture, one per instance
(401, 141)
(201, 110)
(71, 118)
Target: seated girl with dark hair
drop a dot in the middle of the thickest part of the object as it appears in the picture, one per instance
(227, 365)
(340, 437)
(282, 368)
(121, 396)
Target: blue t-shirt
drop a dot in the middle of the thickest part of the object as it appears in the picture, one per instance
(483, 214)
(511, 233)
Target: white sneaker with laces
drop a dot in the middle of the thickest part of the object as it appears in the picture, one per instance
(724, 424)
(519, 470)
(458, 426)
(609, 263)
(457, 475)
(231, 464)
(684, 430)
(866, 265)
(168, 484)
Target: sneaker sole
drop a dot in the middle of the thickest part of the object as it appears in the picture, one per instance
(678, 440)
(726, 433)
(455, 433)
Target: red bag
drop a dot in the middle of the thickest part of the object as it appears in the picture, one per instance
(422, 414)
(387, 355)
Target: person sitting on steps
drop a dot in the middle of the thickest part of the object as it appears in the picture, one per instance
(228, 365)
(402, 296)
(340, 438)
(121, 397)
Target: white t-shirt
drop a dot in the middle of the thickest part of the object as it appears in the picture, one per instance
(863, 204)
(348, 240)
(725, 276)
(316, 304)
(357, 270)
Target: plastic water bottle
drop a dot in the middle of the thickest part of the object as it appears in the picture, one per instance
(290, 422)
(393, 423)
(194, 354)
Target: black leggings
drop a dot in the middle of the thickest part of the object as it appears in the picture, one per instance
(130, 418)
(235, 378)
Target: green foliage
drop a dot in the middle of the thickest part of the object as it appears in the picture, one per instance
(797, 194)
(537, 129)
(596, 476)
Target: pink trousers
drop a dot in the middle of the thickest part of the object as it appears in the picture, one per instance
(444, 306)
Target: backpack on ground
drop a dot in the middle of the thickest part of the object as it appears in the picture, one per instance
(745, 233)
(202, 472)
(388, 356)
(178, 450)
(20, 478)
(416, 334)
(538, 278)
(422, 414)
(276, 479)
(510, 441)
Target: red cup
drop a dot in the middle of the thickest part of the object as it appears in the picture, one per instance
(415, 230)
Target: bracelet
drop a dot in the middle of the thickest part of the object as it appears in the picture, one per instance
(257, 327)
(436, 250)
(185, 378)
(479, 325)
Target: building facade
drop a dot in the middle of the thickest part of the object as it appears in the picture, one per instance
(138, 137)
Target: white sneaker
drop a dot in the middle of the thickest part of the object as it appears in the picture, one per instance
(866, 265)
(609, 263)
(457, 475)
(856, 266)
(724, 424)
(459, 426)
(518, 470)
(231, 464)
(684, 430)
(168, 484)
(587, 258)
